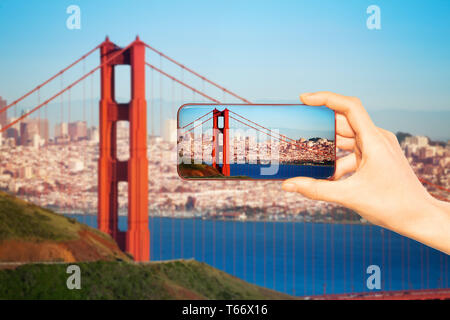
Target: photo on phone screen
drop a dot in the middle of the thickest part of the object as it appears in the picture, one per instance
(255, 141)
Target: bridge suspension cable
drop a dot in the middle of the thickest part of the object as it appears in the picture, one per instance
(434, 185)
(197, 74)
(196, 119)
(113, 56)
(197, 125)
(49, 79)
(180, 82)
(283, 136)
(278, 138)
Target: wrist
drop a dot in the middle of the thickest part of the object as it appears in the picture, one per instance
(429, 223)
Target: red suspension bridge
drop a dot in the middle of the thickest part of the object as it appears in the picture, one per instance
(224, 149)
(134, 171)
(111, 170)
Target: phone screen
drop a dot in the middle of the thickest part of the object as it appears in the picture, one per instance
(264, 141)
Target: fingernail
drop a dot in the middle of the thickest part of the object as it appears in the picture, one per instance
(290, 187)
(305, 95)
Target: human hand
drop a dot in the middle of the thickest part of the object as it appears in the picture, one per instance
(383, 187)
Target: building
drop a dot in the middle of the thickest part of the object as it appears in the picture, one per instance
(410, 149)
(427, 152)
(170, 130)
(77, 130)
(3, 115)
(61, 130)
(25, 173)
(31, 128)
(13, 132)
(93, 134)
(76, 165)
(420, 141)
(123, 130)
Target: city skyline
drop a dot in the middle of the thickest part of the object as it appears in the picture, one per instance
(39, 175)
(395, 120)
(273, 66)
(297, 121)
(413, 122)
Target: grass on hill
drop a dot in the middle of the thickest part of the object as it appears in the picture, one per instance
(180, 279)
(22, 220)
(203, 171)
(29, 233)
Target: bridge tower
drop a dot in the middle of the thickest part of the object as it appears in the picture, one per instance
(221, 129)
(134, 171)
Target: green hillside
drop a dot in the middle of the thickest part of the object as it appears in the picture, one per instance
(203, 171)
(30, 235)
(22, 220)
(181, 279)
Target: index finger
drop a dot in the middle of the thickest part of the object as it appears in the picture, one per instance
(351, 107)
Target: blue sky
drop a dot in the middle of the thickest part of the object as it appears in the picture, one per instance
(295, 121)
(263, 50)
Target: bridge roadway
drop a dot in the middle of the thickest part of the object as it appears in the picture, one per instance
(425, 294)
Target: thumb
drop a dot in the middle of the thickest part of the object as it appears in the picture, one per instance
(316, 189)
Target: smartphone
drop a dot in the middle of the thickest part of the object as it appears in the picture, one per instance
(255, 141)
